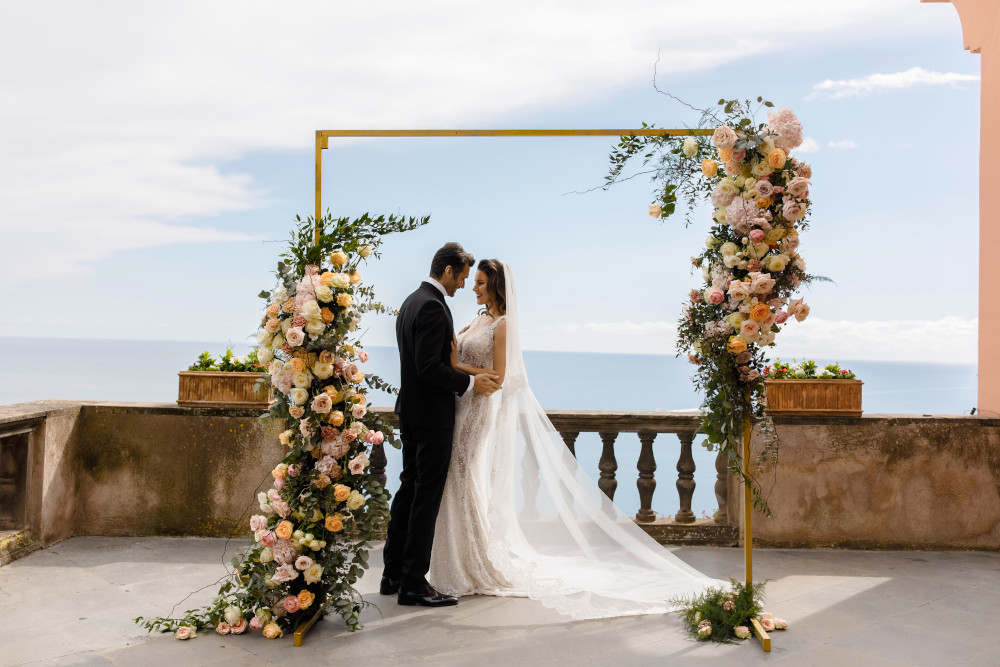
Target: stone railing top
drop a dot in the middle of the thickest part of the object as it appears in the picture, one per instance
(566, 420)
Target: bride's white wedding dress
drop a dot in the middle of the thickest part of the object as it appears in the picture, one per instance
(519, 516)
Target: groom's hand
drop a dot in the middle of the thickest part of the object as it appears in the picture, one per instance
(486, 384)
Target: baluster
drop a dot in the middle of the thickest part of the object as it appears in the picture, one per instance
(722, 487)
(569, 437)
(608, 465)
(685, 478)
(378, 462)
(646, 481)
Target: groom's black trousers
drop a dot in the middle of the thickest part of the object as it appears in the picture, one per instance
(407, 552)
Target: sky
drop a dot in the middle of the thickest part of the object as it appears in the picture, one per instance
(153, 156)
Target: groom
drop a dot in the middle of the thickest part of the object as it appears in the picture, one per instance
(426, 409)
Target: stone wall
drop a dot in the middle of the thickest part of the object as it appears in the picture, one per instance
(883, 481)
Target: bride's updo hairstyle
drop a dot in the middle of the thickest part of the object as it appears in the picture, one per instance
(496, 285)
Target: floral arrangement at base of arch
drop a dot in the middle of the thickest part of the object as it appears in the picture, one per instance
(310, 536)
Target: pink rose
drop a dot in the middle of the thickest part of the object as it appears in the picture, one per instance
(743, 357)
(255, 624)
(798, 187)
(802, 313)
(742, 631)
(279, 483)
(282, 508)
(732, 168)
(351, 372)
(363, 356)
(793, 210)
(358, 411)
(358, 464)
(239, 626)
(291, 604)
(793, 306)
(284, 574)
(749, 330)
(767, 624)
(287, 349)
(755, 265)
(765, 616)
(223, 628)
(752, 375)
(294, 470)
(258, 522)
(184, 632)
(695, 296)
(284, 382)
(780, 623)
(761, 283)
(269, 539)
(780, 317)
(322, 404)
(295, 336)
(370, 437)
(738, 290)
(764, 188)
(739, 155)
(804, 170)
(716, 296)
(757, 235)
(303, 563)
(728, 605)
(379, 438)
(296, 411)
(724, 137)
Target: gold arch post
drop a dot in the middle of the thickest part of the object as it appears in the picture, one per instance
(322, 143)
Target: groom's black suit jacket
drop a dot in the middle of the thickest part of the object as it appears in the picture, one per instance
(428, 383)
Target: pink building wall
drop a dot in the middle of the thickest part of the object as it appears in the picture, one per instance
(981, 31)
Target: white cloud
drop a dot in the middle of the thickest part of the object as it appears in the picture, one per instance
(117, 115)
(882, 83)
(944, 340)
(845, 144)
(809, 145)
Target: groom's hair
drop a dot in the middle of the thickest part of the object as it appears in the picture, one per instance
(453, 255)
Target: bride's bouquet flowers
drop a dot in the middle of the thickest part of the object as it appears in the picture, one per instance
(310, 533)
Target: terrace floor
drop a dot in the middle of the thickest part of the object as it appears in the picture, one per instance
(73, 604)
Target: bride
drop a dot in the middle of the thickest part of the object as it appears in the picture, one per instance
(519, 517)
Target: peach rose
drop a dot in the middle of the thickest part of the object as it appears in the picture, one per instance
(322, 404)
(326, 315)
(335, 418)
(272, 631)
(296, 411)
(709, 168)
(726, 154)
(322, 481)
(767, 624)
(288, 306)
(655, 211)
(338, 258)
(291, 604)
(334, 523)
(355, 278)
(763, 202)
(760, 312)
(344, 300)
(305, 599)
(736, 345)
(184, 632)
(239, 627)
(272, 325)
(776, 158)
(273, 310)
(359, 462)
(341, 492)
(283, 530)
(223, 628)
(297, 365)
(724, 137)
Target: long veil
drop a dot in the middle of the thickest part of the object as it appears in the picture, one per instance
(553, 533)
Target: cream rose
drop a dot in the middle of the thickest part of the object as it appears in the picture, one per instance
(313, 574)
(356, 501)
(322, 370)
(690, 147)
(295, 337)
(358, 464)
(728, 248)
(298, 395)
(340, 281)
(232, 614)
(315, 327)
(776, 263)
(739, 291)
(761, 169)
(365, 250)
(272, 631)
(324, 294)
(265, 355)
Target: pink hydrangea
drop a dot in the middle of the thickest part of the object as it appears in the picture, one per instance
(325, 465)
(784, 122)
(284, 552)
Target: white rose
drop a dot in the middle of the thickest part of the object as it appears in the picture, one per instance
(324, 294)
(690, 147)
(310, 310)
(264, 337)
(355, 501)
(720, 215)
(777, 262)
(298, 396)
(767, 146)
(266, 555)
(761, 169)
(341, 280)
(711, 242)
(280, 295)
(313, 574)
(740, 181)
(365, 250)
(315, 327)
(232, 614)
(322, 370)
(278, 340)
(774, 234)
(731, 261)
(286, 324)
(301, 379)
(265, 355)
(726, 186)
(728, 248)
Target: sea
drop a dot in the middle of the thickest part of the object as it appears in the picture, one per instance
(133, 370)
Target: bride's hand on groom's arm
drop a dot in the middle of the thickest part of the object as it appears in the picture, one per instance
(486, 383)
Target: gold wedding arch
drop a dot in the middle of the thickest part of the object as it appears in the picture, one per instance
(323, 143)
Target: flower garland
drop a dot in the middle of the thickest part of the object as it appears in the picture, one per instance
(725, 614)
(750, 265)
(310, 536)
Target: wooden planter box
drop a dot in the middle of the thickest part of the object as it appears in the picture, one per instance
(814, 398)
(221, 390)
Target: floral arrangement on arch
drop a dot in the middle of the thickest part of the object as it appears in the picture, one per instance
(750, 265)
(725, 614)
(310, 538)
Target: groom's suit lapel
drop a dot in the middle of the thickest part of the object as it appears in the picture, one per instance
(436, 294)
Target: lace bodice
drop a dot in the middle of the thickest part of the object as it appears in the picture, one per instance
(475, 345)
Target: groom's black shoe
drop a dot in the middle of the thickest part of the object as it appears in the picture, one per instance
(389, 586)
(425, 596)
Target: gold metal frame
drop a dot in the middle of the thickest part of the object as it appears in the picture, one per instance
(322, 143)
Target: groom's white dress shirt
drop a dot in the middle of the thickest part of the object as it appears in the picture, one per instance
(444, 293)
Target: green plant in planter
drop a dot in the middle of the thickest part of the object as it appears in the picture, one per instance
(228, 363)
(806, 370)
